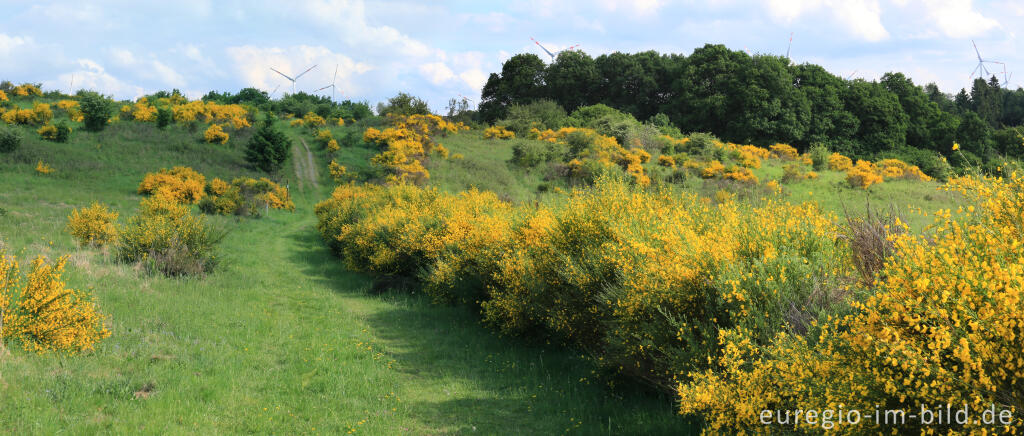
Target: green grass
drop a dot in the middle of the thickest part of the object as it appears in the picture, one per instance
(281, 339)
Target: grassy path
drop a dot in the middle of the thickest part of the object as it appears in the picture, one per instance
(284, 340)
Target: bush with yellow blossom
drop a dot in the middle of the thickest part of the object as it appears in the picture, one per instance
(95, 225)
(41, 314)
(245, 196)
(182, 184)
(498, 132)
(216, 135)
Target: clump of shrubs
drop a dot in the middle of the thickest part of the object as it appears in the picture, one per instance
(244, 196)
(166, 237)
(59, 132)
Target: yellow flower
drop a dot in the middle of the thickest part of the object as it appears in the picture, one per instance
(956, 146)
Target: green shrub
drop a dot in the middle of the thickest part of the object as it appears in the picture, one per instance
(528, 154)
(269, 147)
(96, 110)
(700, 142)
(819, 156)
(164, 117)
(166, 237)
(541, 115)
(578, 142)
(10, 140)
(403, 104)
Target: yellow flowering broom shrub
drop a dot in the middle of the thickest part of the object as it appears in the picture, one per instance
(216, 135)
(95, 225)
(498, 132)
(838, 162)
(863, 175)
(43, 169)
(406, 143)
(166, 237)
(643, 280)
(943, 325)
(41, 313)
(27, 89)
(784, 151)
(245, 196)
(3, 96)
(183, 184)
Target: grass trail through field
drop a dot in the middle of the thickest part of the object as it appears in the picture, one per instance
(282, 339)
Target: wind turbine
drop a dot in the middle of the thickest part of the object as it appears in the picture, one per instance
(790, 45)
(275, 90)
(333, 81)
(296, 77)
(982, 62)
(553, 55)
(851, 74)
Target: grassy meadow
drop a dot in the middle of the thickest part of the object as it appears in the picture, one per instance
(280, 339)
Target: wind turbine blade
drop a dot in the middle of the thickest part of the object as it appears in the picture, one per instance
(304, 72)
(976, 51)
(283, 74)
(321, 89)
(975, 70)
(543, 48)
(790, 44)
(335, 79)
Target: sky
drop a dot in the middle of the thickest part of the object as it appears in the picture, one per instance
(438, 50)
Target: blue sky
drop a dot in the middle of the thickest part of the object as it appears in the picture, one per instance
(437, 50)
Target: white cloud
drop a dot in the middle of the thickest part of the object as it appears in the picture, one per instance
(639, 8)
(91, 75)
(474, 78)
(437, 72)
(348, 19)
(123, 57)
(9, 43)
(861, 18)
(957, 18)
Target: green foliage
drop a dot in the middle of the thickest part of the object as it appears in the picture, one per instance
(699, 143)
(164, 117)
(169, 240)
(269, 147)
(579, 142)
(819, 156)
(96, 110)
(529, 154)
(520, 82)
(541, 114)
(10, 140)
(403, 104)
(63, 131)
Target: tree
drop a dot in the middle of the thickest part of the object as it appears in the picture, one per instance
(572, 80)
(96, 110)
(829, 121)
(883, 124)
(403, 104)
(987, 101)
(520, 82)
(269, 147)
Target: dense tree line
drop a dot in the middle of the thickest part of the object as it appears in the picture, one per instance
(763, 99)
